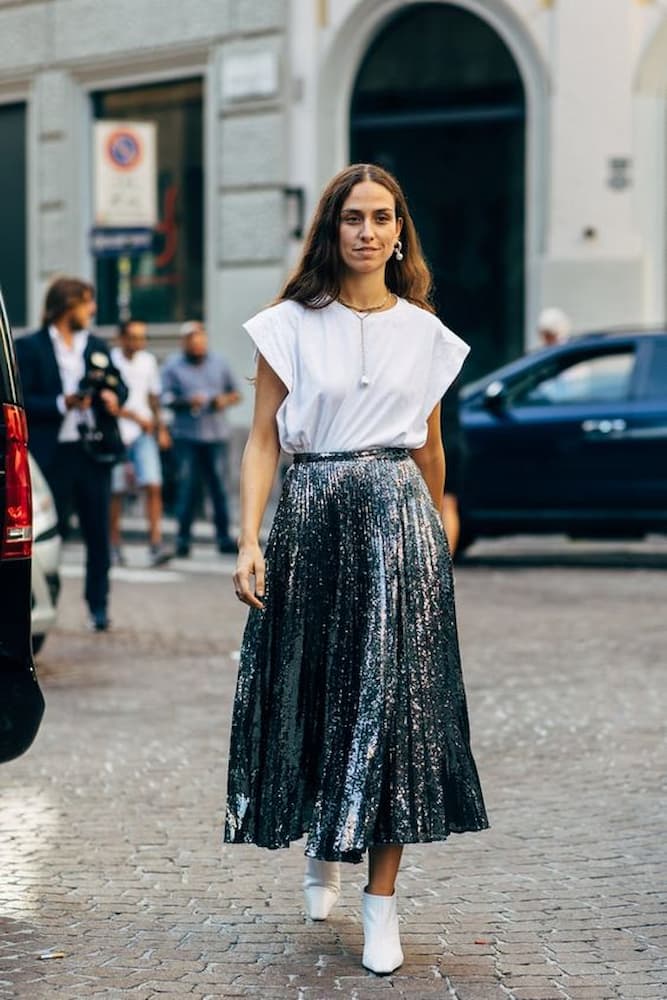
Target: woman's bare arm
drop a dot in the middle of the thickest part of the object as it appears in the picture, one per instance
(258, 469)
(430, 458)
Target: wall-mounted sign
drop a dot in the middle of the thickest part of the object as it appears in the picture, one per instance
(116, 242)
(125, 163)
(254, 74)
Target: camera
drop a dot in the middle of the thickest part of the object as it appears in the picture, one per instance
(101, 438)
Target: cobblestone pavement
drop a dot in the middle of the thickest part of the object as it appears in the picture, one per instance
(110, 846)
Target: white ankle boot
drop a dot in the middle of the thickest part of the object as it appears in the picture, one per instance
(321, 887)
(382, 944)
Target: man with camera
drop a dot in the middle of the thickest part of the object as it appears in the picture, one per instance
(73, 394)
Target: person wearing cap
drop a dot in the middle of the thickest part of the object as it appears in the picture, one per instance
(199, 387)
(553, 327)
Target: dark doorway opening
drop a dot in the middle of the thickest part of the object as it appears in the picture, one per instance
(439, 101)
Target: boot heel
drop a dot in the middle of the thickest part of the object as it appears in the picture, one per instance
(321, 888)
(382, 944)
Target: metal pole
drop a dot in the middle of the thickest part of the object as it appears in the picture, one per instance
(124, 295)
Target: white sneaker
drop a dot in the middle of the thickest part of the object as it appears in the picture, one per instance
(321, 887)
(382, 944)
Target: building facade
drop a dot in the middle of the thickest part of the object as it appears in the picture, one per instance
(530, 135)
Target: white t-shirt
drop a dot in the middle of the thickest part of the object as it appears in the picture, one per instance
(142, 378)
(411, 359)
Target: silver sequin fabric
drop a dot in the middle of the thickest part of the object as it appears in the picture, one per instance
(350, 722)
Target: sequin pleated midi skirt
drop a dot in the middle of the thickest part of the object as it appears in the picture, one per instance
(350, 722)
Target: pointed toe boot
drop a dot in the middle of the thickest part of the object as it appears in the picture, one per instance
(382, 944)
(321, 887)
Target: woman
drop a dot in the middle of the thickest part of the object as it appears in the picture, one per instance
(350, 720)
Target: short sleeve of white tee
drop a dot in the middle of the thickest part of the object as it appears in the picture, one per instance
(411, 359)
(142, 378)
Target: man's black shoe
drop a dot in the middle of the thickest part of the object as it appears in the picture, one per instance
(227, 546)
(99, 621)
(182, 550)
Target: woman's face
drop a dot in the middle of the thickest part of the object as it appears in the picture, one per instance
(368, 228)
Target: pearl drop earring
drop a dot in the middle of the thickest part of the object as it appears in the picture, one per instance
(398, 247)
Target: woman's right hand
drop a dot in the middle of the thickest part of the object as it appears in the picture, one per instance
(250, 563)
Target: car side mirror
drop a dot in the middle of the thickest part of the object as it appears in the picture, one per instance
(495, 397)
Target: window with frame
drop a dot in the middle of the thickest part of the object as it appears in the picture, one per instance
(167, 283)
(655, 386)
(591, 378)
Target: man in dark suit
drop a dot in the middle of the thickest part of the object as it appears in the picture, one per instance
(72, 395)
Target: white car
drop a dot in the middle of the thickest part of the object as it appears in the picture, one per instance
(45, 558)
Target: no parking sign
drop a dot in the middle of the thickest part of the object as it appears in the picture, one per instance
(125, 174)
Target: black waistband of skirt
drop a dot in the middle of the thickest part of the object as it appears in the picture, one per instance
(395, 454)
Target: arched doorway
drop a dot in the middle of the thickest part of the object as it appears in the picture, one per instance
(439, 101)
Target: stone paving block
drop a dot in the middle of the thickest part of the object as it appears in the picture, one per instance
(538, 993)
(478, 991)
(595, 979)
(591, 993)
(639, 992)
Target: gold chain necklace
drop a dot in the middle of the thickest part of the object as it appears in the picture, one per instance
(363, 314)
(370, 309)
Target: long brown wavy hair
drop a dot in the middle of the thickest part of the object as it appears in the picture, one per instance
(317, 278)
(62, 294)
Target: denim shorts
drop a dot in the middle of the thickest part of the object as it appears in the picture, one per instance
(144, 457)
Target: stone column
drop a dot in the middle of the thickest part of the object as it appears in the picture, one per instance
(59, 187)
(248, 227)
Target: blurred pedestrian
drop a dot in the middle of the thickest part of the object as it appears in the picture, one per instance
(454, 447)
(143, 434)
(350, 721)
(198, 385)
(553, 327)
(73, 394)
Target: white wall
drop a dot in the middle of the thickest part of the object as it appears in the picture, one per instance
(595, 277)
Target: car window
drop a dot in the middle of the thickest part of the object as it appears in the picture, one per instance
(604, 378)
(655, 386)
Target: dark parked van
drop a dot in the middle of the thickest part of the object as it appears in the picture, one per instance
(21, 703)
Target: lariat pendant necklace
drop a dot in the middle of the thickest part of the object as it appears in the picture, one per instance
(363, 315)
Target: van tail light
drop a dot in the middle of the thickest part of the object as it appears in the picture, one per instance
(17, 529)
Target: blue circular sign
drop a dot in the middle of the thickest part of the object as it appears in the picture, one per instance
(124, 149)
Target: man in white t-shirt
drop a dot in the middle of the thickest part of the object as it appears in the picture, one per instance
(143, 435)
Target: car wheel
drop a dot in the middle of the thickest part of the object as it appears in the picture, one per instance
(37, 643)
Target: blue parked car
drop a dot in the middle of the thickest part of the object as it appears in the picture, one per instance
(569, 439)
